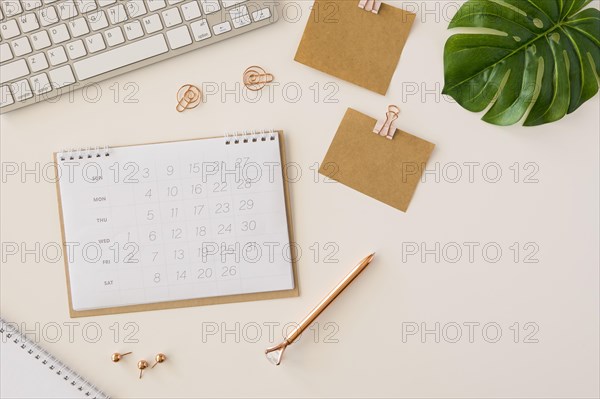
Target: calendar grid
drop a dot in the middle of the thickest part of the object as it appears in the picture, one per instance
(195, 233)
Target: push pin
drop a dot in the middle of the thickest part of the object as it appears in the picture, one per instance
(117, 356)
(142, 364)
(159, 359)
(255, 78)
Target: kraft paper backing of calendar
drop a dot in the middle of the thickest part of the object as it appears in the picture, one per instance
(355, 45)
(386, 170)
(197, 301)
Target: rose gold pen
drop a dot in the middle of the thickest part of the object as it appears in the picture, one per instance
(275, 353)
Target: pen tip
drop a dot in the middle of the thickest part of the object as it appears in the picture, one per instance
(370, 257)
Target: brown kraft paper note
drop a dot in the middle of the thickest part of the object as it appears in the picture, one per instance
(350, 43)
(386, 170)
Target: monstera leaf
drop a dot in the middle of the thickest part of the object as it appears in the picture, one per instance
(541, 56)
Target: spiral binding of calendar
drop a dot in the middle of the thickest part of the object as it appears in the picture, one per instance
(75, 154)
(11, 336)
(248, 136)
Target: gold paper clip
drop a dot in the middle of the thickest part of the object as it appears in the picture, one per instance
(370, 5)
(188, 97)
(275, 353)
(386, 127)
(255, 78)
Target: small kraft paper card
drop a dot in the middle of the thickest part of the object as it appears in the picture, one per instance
(384, 164)
(354, 44)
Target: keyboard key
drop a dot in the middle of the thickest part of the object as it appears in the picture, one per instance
(67, 10)
(240, 17)
(86, 5)
(57, 56)
(40, 83)
(179, 37)
(136, 8)
(200, 30)
(152, 23)
(37, 62)
(21, 46)
(190, 10)
(134, 30)
(97, 20)
(104, 3)
(48, 16)
(95, 43)
(210, 6)
(6, 97)
(238, 12)
(121, 56)
(11, 7)
(28, 22)
(40, 40)
(14, 70)
(114, 36)
(79, 27)
(117, 14)
(9, 29)
(222, 28)
(154, 5)
(261, 14)
(5, 52)
(76, 49)
(29, 5)
(171, 17)
(62, 77)
(60, 33)
(21, 90)
(171, 2)
(231, 3)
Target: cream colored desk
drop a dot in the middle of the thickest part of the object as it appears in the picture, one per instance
(454, 305)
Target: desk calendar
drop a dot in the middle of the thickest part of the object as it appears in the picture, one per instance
(176, 224)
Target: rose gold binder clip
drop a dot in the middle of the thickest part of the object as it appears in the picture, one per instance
(275, 353)
(255, 78)
(386, 127)
(188, 97)
(370, 5)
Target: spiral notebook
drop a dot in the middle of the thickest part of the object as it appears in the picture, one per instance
(29, 371)
(176, 224)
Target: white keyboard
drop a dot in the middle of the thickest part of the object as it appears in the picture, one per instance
(48, 47)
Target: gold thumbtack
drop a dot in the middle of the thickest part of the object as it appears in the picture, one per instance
(117, 356)
(142, 364)
(159, 359)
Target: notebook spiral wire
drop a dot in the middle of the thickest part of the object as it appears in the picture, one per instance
(74, 154)
(238, 137)
(248, 136)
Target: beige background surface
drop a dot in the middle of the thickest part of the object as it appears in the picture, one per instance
(558, 215)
